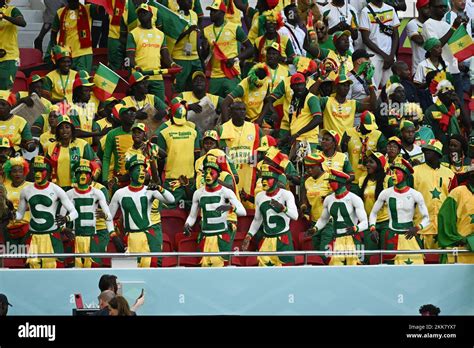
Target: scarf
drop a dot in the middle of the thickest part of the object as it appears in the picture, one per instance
(83, 27)
(446, 115)
(231, 72)
(118, 11)
(74, 158)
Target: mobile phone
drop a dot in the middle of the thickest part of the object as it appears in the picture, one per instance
(78, 299)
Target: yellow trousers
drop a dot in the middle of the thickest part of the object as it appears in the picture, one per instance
(429, 241)
(138, 243)
(344, 243)
(41, 244)
(269, 244)
(82, 245)
(408, 244)
(211, 244)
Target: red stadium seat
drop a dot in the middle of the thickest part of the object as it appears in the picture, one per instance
(251, 261)
(172, 223)
(296, 227)
(100, 55)
(14, 263)
(432, 258)
(406, 55)
(306, 243)
(237, 245)
(21, 83)
(187, 244)
(374, 260)
(168, 247)
(30, 57)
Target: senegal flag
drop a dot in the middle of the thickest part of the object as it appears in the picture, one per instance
(461, 44)
(173, 24)
(105, 81)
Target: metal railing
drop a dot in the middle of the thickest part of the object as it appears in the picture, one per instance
(231, 254)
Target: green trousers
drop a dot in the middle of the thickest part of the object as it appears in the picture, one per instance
(222, 86)
(83, 63)
(157, 88)
(184, 78)
(116, 54)
(8, 69)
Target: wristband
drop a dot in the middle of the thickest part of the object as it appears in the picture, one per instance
(355, 228)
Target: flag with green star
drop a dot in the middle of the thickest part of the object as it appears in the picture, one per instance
(461, 44)
(105, 81)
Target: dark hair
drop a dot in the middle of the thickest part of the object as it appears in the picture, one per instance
(441, 60)
(379, 179)
(108, 281)
(121, 304)
(463, 142)
(73, 132)
(432, 309)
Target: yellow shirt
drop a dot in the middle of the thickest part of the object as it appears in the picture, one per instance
(226, 37)
(276, 76)
(85, 117)
(61, 85)
(13, 195)
(263, 53)
(147, 44)
(12, 129)
(46, 139)
(337, 161)
(316, 191)
(433, 184)
(9, 34)
(241, 143)
(354, 148)
(189, 40)
(369, 198)
(310, 110)
(252, 97)
(341, 60)
(339, 117)
(72, 36)
(64, 172)
(179, 142)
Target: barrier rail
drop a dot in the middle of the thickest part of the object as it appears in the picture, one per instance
(304, 253)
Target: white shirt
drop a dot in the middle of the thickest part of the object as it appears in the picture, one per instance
(423, 69)
(388, 16)
(434, 28)
(88, 210)
(335, 15)
(300, 35)
(354, 207)
(264, 211)
(416, 153)
(450, 16)
(207, 202)
(401, 207)
(44, 206)
(414, 27)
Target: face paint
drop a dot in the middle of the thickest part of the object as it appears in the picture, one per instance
(83, 179)
(137, 175)
(398, 176)
(334, 185)
(211, 176)
(268, 183)
(41, 176)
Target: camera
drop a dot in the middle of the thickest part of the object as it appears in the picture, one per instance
(387, 30)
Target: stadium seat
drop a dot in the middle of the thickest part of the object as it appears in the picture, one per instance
(306, 243)
(187, 244)
(406, 55)
(172, 223)
(374, 260)
(168, 247)
(296, 227)
(251, 261)
(100, 55)
(41, 73)
(30, 57)
(14, 263)
(21, 83)
(237, 245)
(432, 258)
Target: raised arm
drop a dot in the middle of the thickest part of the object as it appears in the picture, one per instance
(164, 195)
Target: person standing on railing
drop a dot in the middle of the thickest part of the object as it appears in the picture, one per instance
(215, 202)
(401, 200)
(135, 202)
(349, 219)
(456, 221)
(87, 200)
(43, 199)
(275, 207)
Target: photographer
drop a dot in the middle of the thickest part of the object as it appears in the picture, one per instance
(10, 18)
(381, 37)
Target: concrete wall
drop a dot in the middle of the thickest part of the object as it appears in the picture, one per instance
(306, 290)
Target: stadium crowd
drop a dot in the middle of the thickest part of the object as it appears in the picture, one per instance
(284, 111)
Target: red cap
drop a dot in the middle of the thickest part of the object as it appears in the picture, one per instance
(422, 3)
(297, 78)
(272, 4)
